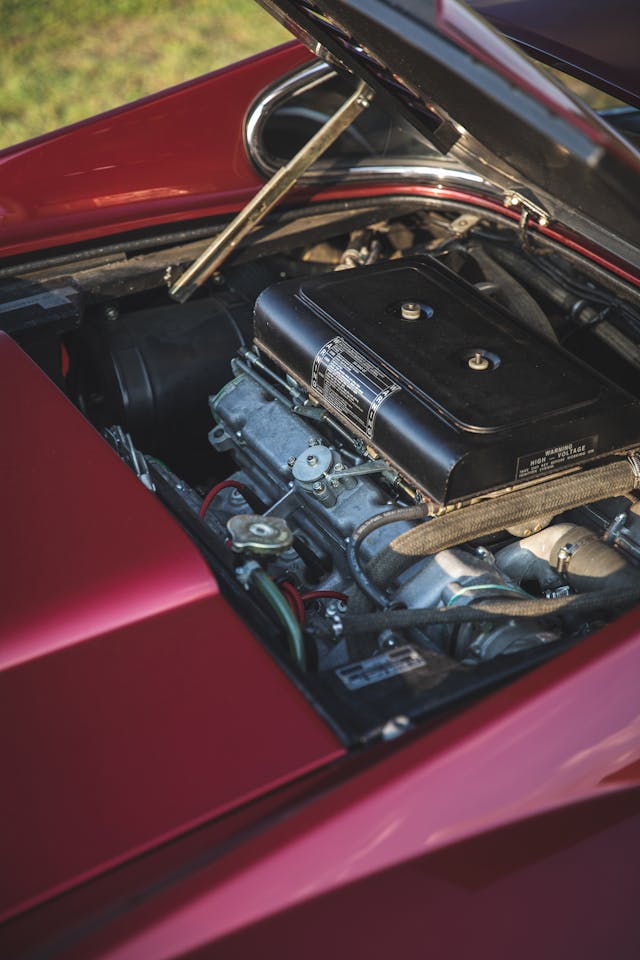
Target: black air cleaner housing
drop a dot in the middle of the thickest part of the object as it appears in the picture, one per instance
(462, 399)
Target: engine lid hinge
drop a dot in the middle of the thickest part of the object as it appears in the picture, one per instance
(529, 208)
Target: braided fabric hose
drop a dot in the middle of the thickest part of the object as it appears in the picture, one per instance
(492, 516)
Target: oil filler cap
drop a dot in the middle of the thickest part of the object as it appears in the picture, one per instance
(265, 536)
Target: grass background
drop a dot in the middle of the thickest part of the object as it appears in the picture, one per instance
(63, 60)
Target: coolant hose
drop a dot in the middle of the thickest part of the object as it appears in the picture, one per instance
(587, 563)
(276, 600)
(496, 514)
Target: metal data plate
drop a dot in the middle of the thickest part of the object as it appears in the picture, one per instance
(381, 667)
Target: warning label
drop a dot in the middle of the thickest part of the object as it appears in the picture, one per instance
(556, 457)
(350, 384)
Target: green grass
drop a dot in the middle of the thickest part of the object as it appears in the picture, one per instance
(63, 60)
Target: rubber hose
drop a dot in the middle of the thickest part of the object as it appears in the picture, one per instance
(532, 274)
(589, 564)
(397, 515)
(276, 600)
(582, 311)
(515, 296)
(490, 611)
(491, 516)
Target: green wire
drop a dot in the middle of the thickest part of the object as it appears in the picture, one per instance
(274, 597)
(487, 586)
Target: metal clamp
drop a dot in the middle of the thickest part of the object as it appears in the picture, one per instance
(634, 460)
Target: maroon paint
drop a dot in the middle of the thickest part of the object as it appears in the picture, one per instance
(134, 703)
(507, 831)
(172, 156)
(88, 906)
(467, 839)
(148, 180)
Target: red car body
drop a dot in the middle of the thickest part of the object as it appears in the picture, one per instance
(144, 813)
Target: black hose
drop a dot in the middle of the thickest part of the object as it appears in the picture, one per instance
(537, 274)
(514, 295)
(489, 611)
(493, 515)
(397, 515)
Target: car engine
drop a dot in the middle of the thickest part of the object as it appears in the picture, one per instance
(406, 446)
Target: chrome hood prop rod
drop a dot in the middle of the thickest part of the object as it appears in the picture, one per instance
(225, 243)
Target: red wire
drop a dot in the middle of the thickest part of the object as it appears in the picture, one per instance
(64, 360)
(204, 506)
(293, 598)
(323, 595)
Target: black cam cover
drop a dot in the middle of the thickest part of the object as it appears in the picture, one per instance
(462, 400)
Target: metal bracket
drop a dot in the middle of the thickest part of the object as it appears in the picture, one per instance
(309, 411)
(528, 208)
(124, 446)
(360, 470)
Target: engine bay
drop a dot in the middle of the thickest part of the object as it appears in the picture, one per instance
(403, 435)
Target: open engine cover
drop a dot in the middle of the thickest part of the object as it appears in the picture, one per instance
(462, 399)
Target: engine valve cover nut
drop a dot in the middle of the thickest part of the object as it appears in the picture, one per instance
(410, 310)
(479, 361)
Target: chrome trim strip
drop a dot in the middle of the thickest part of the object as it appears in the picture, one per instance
(269, 100)
(403, 171)
(441, 170)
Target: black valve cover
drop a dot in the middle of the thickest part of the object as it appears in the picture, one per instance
(462, 399)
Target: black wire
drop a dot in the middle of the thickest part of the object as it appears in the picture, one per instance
(585, 292)
(489, 612)
(580, 289)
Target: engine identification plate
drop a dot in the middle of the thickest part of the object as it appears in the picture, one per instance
(556, 457)
(350, 384)
(382, 667)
